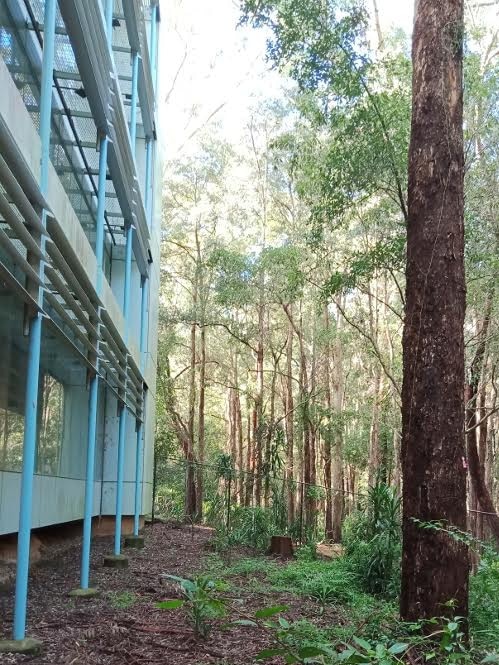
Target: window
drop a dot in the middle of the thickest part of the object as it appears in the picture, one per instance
(50, 425)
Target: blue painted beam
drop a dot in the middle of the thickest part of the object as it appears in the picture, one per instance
(138, 476)
(122, 407)
(35, 333)
(148, 180)
(119, 478)
(133, 101)
(89, 482)
(94, 380)
(101, 209)
(153, 52)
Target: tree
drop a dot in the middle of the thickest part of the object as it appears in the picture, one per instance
(435, 566)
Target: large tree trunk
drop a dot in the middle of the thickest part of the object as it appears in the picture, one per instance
(337, 458)
(435, 567)
(190, 494)
(258, 423)
(201, 425)
(289, 411)
(328, 433)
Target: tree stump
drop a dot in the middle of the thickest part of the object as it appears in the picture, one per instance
(281, 546)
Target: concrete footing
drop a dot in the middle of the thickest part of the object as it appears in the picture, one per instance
(116, 561)
(28, 646)
(135, 541)
(84, 593)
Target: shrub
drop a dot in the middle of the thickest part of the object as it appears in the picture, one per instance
(372, 538)
(200, 600)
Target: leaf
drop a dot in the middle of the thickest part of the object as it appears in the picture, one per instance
(170, 604)
(269, 653)
(311, 652)
(362, 643)
(452, 626)
(284, 623)
(398, 647)
(270, 611)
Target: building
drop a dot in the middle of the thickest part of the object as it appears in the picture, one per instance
(79, 266)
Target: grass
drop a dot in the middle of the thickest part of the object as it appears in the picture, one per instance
(359, 614)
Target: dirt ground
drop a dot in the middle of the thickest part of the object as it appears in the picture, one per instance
(123, 626)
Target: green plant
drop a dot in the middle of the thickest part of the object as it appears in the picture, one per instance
(372, 539)
(252, 527)
(123, 600)
(200, 600)
(484, 586)
(307, 552)
(288, 638)
(362, 652)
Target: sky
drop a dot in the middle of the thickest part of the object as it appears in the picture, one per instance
(213, 71)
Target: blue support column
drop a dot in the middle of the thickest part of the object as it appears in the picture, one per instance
(94, 385)
(123, 411)
(148, 180)
(84, 589)
(101, 209)
(140, 425)
(89, 483)
(35, 332)
(133, 101)
(119, 479)
(108, 18)
(154, 45)
(138, 475)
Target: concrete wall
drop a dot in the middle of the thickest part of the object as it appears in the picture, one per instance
(54, 500)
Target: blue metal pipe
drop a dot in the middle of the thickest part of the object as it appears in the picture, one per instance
(133, 101)
(101, 209)
(119, 478)
(143, 318)
(108, 17)
(122, 416)
(140, 428)
(154, 45)
(89, 482)
(147, 185)
(138, 477)
(35, 334)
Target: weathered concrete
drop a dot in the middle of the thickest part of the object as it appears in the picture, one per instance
(28, 646)
(135, 541)
(116, 561)
(84, 593)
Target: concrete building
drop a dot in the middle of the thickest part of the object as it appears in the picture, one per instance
(79, 266)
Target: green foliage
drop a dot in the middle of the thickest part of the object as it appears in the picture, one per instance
(306, 552)
(296, 642)
(385, 254)
(200, 601)
(252, 527)
(484, 602)
(372, 540)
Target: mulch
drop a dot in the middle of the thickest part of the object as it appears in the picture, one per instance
(99, 631)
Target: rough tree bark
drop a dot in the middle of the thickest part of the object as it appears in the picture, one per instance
(435, 568)
(289, 411)
(338, 381)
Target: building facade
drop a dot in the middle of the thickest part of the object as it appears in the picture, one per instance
(79, 266)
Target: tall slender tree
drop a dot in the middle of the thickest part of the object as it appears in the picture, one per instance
(435, 566)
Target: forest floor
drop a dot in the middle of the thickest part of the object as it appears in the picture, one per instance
(124, 626)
